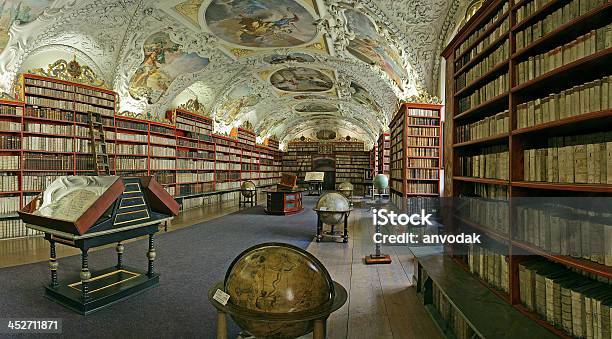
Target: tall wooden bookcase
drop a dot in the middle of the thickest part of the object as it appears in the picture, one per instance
(383, 149)
(45, 134)
(526, 80)
(415, 149)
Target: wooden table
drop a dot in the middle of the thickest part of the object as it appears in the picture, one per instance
(284, 202)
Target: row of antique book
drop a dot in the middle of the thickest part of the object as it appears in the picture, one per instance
(491, 163)
(580, 306)
(489, 264)
(490, 90)
(9, 182)
(586, 98)
(480, 32)
(68, 105)
(184, 177)
(490, 213)
(10, 162)
(422, 188)
(450, 315)
(483, 128)
(421, 173)
(581, 47)
(11, 110)
(66, 87)
(578, 159)
(423, 131)
(499, 55)
(30, 90)
(15, 228)
(423, 163)
(566, 231)
(422, 152)
(552, 21)
(422, 141)
(415, 121)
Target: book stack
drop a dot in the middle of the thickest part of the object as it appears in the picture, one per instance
(540, 28)
(48, 144)
(490, 90)
(490, 264)
(570, 301)
(10, 142)
(38, 182)
(10, 126)
(490, 126)
(491, 163)
(498, 56)
(578, 159)
(11, 110)
(450, 315)
(465, 52)
(9, 183)
(8, 162)
(567, 231)
(583, 46)
(9, 204)
(48, 162)
(586, 98)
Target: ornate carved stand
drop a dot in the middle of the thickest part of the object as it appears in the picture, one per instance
(332, 233)
(252, 200)
(96, 290)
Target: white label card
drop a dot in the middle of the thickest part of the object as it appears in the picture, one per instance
(323, 208)
(221, 297)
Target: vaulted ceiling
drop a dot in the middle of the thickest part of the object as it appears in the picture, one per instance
(289, 67)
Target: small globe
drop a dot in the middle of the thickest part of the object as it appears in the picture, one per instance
(380, 181)
(247, 189)
(331, 207)
(346, 188)
(273, 279)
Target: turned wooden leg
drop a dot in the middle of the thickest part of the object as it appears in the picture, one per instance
(85, 275)
(53, 264)
(151, 255)
(120, 248)
(319, 329)
(221, 325)
(345, 228)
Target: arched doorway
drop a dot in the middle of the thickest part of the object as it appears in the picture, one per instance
(327, 165)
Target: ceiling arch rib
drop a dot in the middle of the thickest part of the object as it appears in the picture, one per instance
(345, 53)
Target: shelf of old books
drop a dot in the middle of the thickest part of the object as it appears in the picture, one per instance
(181, 151)
(529, 108)
(384, 148)
(415, 149)
(374, 159)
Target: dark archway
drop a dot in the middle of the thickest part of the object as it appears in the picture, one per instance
(327, 165)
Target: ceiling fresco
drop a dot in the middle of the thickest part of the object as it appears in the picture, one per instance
(301, 79)
(261, 23)
(20, 12)
(163, 62)
(316, 107)
(286, 66)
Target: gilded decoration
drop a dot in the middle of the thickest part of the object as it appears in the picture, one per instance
(194, 106)
(145, 116)
(424, 97)
(247, 125)
(71, 71)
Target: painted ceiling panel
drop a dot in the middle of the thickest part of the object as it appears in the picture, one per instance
(284, 65)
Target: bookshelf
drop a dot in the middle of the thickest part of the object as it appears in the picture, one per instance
(181, 152)
(384, 147)
(374, 159)
(350, 160)
(415, 150)
(529, 114)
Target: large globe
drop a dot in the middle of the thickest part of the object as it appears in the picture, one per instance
(272, 279)
(247, 189)
(331, 207)
(380, 181)
(346, 188)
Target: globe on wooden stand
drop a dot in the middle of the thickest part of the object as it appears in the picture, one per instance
(277, 291)
(346, 189)
(248, 193)
(380, 182)
(332, 208)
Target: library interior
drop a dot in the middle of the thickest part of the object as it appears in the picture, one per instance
(306, 169)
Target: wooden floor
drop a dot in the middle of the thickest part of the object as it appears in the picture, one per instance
(381, 305)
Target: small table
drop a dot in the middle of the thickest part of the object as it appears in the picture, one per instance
(99, 289)
(284, 202)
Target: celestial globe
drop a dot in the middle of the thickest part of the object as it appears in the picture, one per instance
(277, 279)
(247, 189)
(380, 181)
(331, 207)
(346, 188)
